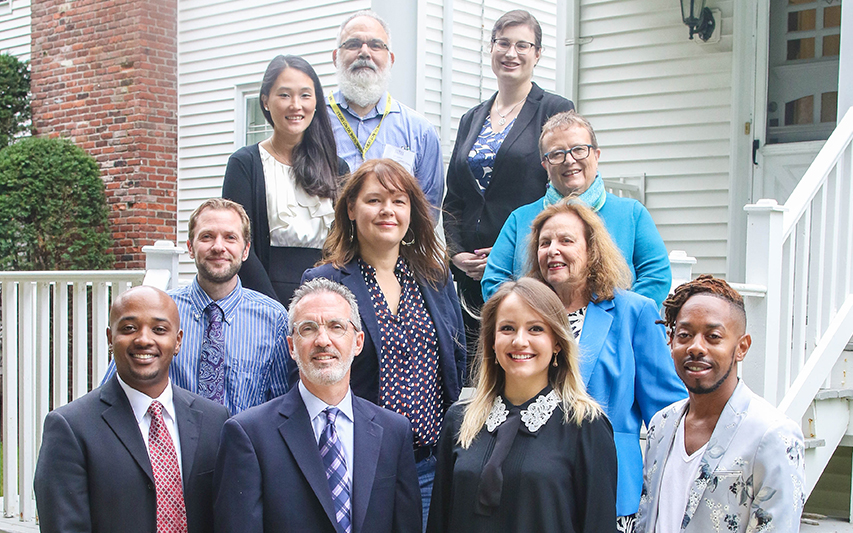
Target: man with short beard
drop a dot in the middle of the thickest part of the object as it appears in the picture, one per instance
(724, 456)
(290, 464)
(234, 350)
(367, 121)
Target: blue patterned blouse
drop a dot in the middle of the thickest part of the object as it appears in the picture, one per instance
(481, 158)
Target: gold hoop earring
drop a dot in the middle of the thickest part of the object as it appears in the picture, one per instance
(410, 242)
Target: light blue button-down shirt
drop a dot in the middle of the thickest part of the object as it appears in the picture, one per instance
(403, 128)
(257, 358)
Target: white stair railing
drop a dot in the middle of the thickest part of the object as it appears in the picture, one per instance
(801, 253)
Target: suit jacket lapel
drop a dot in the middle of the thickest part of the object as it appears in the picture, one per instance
(596, 327)
(298, 435)
(528, 111)
(664, 432)
(189, 427)
(119, 416)
(721, 439)
(367, 442)
(352, 279)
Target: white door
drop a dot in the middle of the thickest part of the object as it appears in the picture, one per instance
(802, 91)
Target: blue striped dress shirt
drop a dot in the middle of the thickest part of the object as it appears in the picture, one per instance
(257, 358)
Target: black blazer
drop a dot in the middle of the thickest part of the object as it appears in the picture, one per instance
(473, 220)
(270, 476)
(443, 307)
(244, 183)
(94, 474)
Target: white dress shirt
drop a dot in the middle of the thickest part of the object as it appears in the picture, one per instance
(140, 402)
(343, 423)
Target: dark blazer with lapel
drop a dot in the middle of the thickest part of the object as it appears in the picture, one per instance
(245, 184)
(443, 306)
(473, 220)
(270, 477)
(94, 474)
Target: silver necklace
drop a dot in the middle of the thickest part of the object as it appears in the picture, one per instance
(502, 121)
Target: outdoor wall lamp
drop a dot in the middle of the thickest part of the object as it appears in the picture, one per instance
(698, 18)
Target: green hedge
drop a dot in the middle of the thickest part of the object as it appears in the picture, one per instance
(52, 207)
(15, 112)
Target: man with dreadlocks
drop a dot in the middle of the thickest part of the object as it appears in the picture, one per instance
(724, 459)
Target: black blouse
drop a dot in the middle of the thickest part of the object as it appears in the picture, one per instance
(559, 478)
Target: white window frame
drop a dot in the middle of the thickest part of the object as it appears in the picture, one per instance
(244, 95)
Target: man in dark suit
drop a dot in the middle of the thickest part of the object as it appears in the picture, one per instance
(108, 460)
(318, 459)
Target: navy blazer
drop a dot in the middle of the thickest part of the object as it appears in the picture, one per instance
(473, 219)
(270, 476)
(442, 305)
(94, 474)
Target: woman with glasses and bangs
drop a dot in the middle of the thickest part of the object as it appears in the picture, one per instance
(569, 153)
(495, 163)
(384, 249)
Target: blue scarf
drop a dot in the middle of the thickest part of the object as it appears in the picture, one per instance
(594, 196)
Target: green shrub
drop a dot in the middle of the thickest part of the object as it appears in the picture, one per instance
(52, 207)
(15, 113)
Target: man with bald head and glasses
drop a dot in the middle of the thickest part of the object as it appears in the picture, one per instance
(570, 152)
(368, 122)
(318, 458)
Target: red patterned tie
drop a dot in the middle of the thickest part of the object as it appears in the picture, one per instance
(171, 512)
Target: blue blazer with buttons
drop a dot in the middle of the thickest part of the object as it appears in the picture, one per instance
(626, 366)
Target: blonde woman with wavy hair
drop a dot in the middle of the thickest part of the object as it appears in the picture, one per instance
(625, 361)
(531, 450)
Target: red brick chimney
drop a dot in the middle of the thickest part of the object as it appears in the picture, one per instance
(104, 74)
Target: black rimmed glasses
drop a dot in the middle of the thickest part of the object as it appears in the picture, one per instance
(335, 328)
(521, 47)
(353, 44)
(578, 153)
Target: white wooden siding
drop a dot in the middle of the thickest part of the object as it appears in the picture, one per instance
(661, 105)
(224, 46)
(15, 21)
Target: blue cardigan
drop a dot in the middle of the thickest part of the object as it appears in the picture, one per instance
(443, 307)
(626, 366)
(630, 225)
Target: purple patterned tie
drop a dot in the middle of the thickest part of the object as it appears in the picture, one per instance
(211, 366)
(332, 453)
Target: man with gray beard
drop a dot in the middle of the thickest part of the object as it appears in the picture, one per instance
(367, 121)
(318, 458)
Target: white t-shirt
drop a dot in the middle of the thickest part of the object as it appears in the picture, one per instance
(296, 218)
(679, 472)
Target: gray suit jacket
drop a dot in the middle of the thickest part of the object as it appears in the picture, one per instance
(751, 476)
(94, 474)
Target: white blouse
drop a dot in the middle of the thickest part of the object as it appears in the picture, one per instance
(297, 219)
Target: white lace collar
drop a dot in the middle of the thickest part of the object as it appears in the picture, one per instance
(534, 417)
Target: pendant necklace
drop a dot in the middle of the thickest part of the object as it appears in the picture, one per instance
(502, 121)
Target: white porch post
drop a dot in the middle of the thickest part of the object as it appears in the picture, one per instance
(161, 264)
(763, 267)
(845, 75)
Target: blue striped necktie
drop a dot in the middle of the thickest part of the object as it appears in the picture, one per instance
(332, 453)
(211, 366)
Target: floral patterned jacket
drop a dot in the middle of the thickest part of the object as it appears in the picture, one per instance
(751, 477)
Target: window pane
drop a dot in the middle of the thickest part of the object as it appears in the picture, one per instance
(257, 128)
(799, 2)
(832, 17)
(831, 45)
(800, 111)
(829, 106)
(800, 48)
(801, 20)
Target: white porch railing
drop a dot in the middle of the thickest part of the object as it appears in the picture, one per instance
(799, 261)
(54, 351)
